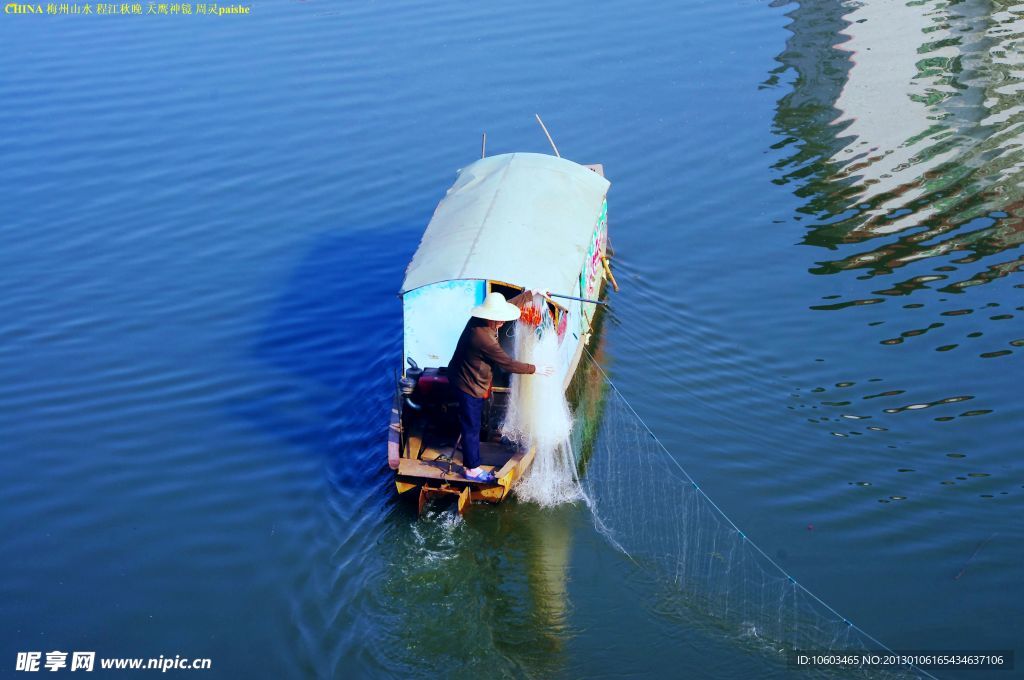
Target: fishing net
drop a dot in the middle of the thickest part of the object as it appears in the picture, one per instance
(538, 415)
(648, 506)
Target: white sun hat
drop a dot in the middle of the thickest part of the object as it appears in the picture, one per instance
(496, 308)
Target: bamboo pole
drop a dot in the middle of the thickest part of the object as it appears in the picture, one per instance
(608, 271)
(570, 297)
(545, 129)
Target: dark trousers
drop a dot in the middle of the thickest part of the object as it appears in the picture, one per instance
(470, 409)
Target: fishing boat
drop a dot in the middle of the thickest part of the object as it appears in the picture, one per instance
(511, 222)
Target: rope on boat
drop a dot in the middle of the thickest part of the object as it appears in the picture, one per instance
(742, 535)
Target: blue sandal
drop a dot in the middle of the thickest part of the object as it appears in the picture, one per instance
(485, 476)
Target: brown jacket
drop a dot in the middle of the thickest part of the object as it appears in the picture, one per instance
(470, 368)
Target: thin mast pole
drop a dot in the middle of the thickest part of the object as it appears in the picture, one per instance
(545, 129)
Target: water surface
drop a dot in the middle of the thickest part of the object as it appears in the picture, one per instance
(816, 210)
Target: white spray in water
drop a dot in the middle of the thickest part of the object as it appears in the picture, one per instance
(539, 416)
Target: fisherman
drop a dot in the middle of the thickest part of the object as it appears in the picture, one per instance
(471, 369)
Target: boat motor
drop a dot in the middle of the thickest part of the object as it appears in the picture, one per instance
(414, 371)
(408, 383)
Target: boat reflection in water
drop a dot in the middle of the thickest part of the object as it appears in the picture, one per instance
(489, 592)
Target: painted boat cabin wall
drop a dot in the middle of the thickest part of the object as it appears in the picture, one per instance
(593, 267)
(434, 317)
(588, 285)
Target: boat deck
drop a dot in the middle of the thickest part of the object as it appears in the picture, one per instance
(445, 463)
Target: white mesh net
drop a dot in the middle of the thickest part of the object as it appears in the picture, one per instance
(646, 504)
(538, 415)
(649, 507)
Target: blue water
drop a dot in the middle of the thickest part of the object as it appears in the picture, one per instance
(205, 221)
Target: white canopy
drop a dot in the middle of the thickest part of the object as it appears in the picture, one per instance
(522, 218)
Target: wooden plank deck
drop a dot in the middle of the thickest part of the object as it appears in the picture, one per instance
(433, 463)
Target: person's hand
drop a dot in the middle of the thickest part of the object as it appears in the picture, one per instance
(545, 369)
